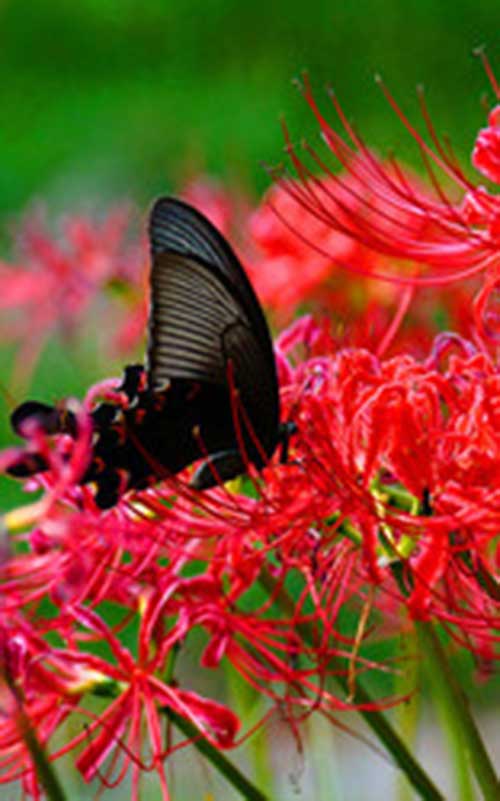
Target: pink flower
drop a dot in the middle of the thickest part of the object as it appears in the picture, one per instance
(59, 278)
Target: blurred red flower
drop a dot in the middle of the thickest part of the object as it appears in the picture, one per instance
(59, 278)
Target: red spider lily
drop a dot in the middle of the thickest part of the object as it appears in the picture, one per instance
(59, 278)
(390, 501)
(452, 245)
(38, 688)
(57, 682)
(141, 694)
(288, 273)
(377, 221)
(433, 430)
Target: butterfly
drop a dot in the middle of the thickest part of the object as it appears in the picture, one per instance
(208, 389)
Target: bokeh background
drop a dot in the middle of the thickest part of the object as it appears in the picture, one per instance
(106, 98)
(109, 100)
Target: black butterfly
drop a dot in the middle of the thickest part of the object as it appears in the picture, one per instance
(209, 387)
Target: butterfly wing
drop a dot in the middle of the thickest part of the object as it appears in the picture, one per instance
(177, 227)
(204, 316)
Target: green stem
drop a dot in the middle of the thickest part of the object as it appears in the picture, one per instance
(407, 714)
(230, 772)
(414, 772)
(248, 704)
(464, 725)
(46, 774)
(379, 724)
(44, 770)
(445, 708)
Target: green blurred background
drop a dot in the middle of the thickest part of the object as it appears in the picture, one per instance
(108, 98)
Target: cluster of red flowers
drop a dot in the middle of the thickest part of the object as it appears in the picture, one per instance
(375, 220)
(389, 504)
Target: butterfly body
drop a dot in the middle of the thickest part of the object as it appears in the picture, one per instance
(209, 387)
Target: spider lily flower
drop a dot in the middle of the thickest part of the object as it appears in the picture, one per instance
(39, 688)
(389, 504)
(56, 682)
(376, 220)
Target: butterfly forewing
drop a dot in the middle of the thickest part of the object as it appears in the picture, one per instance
(190, 310)
(176, 227)
(204, 316)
